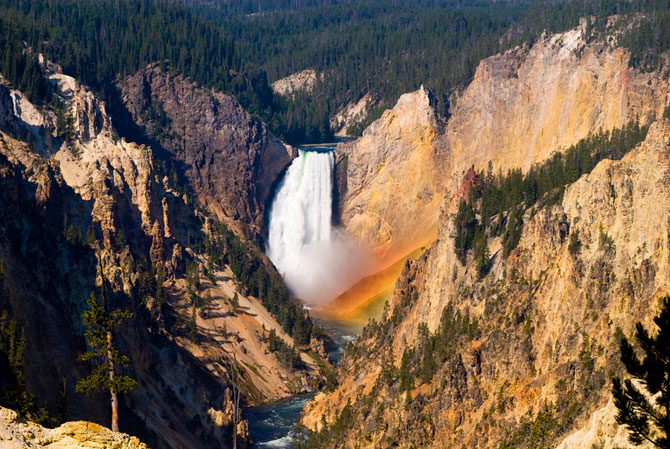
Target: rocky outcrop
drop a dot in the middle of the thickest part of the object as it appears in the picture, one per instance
(17, 434)
(303, 81)
(390, 197)
(351, 115)
(534, 369)
(229, 159)
(521, 107)
(8, 120)
(600, 431)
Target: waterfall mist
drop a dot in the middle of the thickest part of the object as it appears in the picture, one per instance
(317, 260)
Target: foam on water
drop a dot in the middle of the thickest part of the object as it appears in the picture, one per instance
(280, 443)
(317, 260)
(273, 425)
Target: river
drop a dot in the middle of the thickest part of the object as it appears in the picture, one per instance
(316, 260)
(271, 425)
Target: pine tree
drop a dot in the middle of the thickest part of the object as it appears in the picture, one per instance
(272, 340)
(482, 258)
(644, 406)
(100, 325)
(13, 393)
(466, 225)
(235, 302)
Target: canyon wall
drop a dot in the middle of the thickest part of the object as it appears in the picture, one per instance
(391, 192)
(73, 191)
(527, 103)
(527, 352)
(538, 362)
(229, 159)
(521, 107)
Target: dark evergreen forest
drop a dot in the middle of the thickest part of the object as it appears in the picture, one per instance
(384, 47)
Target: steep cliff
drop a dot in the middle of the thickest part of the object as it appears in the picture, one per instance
(521, 107)
(70, 190)
(229, 159)
(390, 193)
(524, 356)
(521, 356)
(81, 184)
(529, 102)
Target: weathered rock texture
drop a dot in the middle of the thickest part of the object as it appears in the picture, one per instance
(71, 193)
(352, 114)
(60, 187)
(600, 431)
(537, 366)
(521, 107)
(229, 159)
(527, 103)
(242, 332)
(304, 81)
(390, 192)
(17, 434)
(544, 347)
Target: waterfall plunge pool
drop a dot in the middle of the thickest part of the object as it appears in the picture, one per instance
(317, 262)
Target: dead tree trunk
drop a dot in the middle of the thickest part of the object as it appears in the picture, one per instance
(112, 390)
(236, 400)
(235, 384)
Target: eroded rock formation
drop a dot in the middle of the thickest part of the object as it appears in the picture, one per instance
(391, 177)
(229, 159)
(529, 350)
(72, 190)
(545, 341)
(17, 434)
(302, 81)
(521, 107)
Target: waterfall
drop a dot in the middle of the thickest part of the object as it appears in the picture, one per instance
(316, 260)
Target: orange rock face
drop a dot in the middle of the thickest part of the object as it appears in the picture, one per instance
(522, 107)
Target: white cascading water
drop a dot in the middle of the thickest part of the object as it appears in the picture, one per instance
(317, 261)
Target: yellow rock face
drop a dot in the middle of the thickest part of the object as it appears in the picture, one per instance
(524, 105)
(601, 431)
(393, 199)
(521, 107)
(570, 302)
(17, 434)
(300, 81)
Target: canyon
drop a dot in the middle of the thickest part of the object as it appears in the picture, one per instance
(74, 190)
(558, 91)
(546, 318)
(222, 241)
(407, 168)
